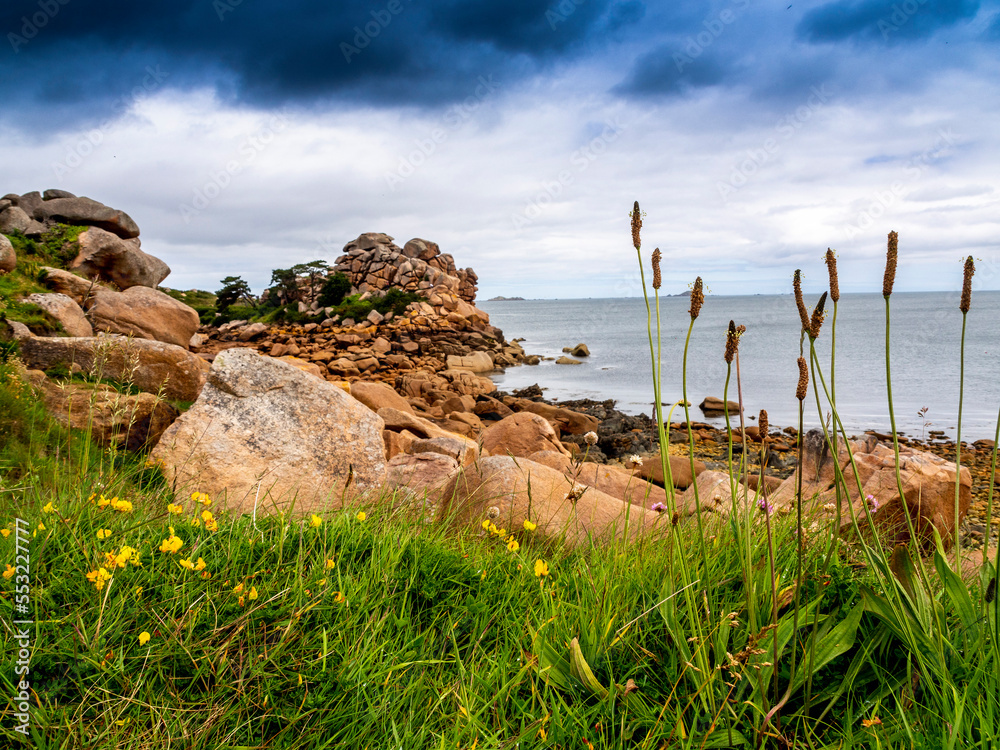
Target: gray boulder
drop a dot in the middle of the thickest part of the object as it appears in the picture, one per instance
(88, 212)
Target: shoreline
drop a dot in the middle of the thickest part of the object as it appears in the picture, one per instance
(621, 435)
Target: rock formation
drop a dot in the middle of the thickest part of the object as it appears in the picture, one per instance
(265, 432)
(373, 263)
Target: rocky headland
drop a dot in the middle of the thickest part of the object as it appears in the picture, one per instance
(317, 411)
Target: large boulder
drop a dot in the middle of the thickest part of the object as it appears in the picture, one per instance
(75, 287)
(618, 482)
(106, 256)
(8, 258)
(379, 395)
(928, 483)
(497, 489)
(15, 219)
(475, 362)
(680, 470)
(521, 435)
(128, 421)
(150, 366)
(65, 310)
(267, 434)
(144, 313)
(422, 474)
(568, 421)
(89, 213)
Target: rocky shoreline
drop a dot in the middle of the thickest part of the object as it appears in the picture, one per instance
(403, 399)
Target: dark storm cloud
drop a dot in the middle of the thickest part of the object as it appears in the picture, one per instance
(882, 20)
(73, 57)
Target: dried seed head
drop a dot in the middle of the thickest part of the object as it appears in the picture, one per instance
(636, 225)
(733, 341)
(697, 298)
(763, 426)
(657, 277)
(799, 302)
(970, 269)
(890, 264)
(675, 518)
(817, 317)
(803, 386)
(831, 266)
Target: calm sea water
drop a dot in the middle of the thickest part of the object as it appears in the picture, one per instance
(926, 330)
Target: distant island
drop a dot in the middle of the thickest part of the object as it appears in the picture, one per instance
(505, 299)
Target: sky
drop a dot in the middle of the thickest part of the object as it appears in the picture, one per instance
(246, 136)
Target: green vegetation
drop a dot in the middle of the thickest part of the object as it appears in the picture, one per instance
(162, 621)
(56, 248)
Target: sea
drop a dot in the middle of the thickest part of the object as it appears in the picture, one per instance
(926, 330)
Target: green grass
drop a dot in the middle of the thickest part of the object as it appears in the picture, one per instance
(385, 631)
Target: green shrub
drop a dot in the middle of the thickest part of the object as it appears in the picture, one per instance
(334, 290)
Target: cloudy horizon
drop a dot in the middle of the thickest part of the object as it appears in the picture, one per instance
(244, 138)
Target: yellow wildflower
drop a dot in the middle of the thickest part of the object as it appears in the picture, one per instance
(200, 565)
(241, 601)
(121, 558)
(541, 568)
(339, 597)
(50, 508)
(9, 573)
(144, 638)
(41, 527)
(171, 544)
(512, 544)
(201, 498)
(174, 508)
(122, 506)
(252, 594)
(331, 563)
(486, 524)
(529, 526)
(322, 582)
(238, 589)
(99, 577)
(103, 502)
(212, 525)
(5, 532)
(138, 592)
(103, 533)
(362, 515)
(315, 521)
(872, 722)
(187, 564)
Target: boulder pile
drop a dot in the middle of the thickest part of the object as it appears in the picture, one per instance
(373, 264)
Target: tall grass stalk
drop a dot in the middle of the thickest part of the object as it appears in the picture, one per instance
(963, 305)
